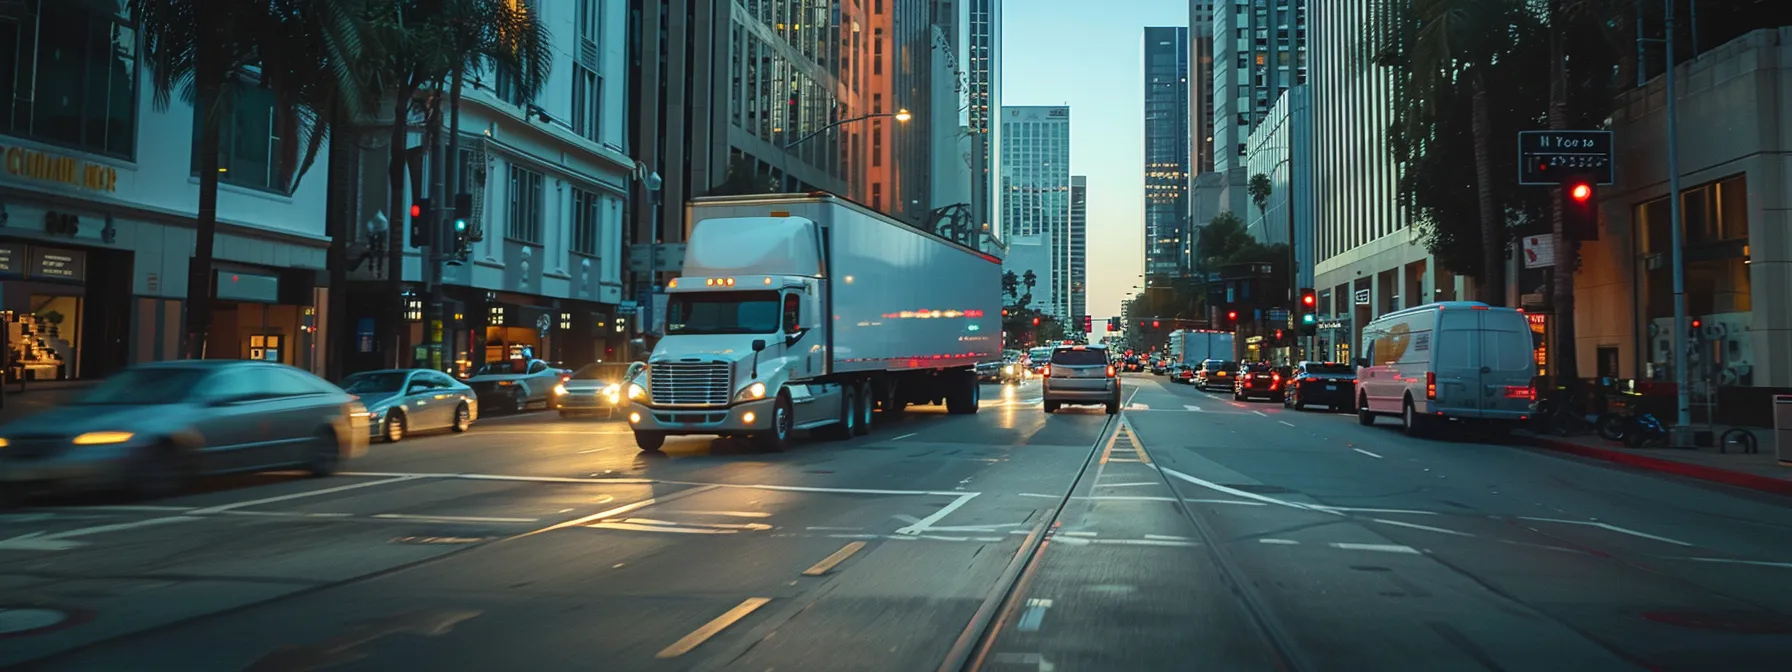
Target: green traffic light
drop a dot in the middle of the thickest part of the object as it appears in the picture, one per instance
(460, 225)
(1307, 318)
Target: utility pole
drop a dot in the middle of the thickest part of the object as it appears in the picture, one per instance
(436, 251)
(1682, 379)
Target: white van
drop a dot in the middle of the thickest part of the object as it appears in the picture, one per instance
(1451, 360)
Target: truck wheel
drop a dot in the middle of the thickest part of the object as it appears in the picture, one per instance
(863, 409)
(965, 399)
(649, 442)
(776, 439)
(849, 416)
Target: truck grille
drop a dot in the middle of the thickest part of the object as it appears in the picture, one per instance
(678, 383)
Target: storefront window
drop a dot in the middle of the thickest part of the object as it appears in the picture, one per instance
(83, 65)
(247, 140)
(1719, 295)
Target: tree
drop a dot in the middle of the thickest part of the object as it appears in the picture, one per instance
(744, 179)
(1260, 189)
(1029, 280)
(1010, 284)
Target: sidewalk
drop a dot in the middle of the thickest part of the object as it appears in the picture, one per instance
(1759, 471)
(38, 397)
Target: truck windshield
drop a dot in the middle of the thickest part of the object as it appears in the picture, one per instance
(722, 313)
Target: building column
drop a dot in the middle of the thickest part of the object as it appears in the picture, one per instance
(1401, 299)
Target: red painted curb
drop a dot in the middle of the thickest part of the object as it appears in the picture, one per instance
(1736, 478)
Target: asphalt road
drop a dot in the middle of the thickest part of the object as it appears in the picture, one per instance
(1191, 533)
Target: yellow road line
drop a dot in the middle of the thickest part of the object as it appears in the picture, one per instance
(838, 557)
(710, 629)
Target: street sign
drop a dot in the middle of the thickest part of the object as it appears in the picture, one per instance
(668, 257)
(627, 308)
(1539, 251)
(1545, 158)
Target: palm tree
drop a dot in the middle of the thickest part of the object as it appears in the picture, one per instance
(1260, 189)
(499, 36)
(1437, 44)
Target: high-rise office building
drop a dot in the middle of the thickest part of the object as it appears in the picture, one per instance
(1200, 85)
(1079, 247)
(1035, 187)
(1166, 148)
(1259, 51)
(983, 74)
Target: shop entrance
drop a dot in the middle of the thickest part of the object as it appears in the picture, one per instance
(257, 316)
(44, 337)
(62, 318)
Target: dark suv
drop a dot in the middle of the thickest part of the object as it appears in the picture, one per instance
(1321, 384)
(1215, 374)
(1258, 380)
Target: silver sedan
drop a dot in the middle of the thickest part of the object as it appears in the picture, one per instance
(151, 427)
(401, 401)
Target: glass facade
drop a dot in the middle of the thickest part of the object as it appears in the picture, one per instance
(248, 140)
(1079, 246)
(70, 76)
(1166, 148)
(1355, 178)
(1252, 69)
(1719, 295)
(1035, 160)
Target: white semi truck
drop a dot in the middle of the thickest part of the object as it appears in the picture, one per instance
(807, 311)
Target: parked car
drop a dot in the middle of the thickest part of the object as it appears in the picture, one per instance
(1081, 374)
(595, 388)
(1452, 360)
(1257, 380)
(152, 427)
(515, 384)
(1330, 384)
(401, 401)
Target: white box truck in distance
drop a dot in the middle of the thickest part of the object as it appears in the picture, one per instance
(1193, 346)
(805, 312)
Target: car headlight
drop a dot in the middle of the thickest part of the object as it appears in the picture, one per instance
(636, 391)
(559, 389)
(102, 438)
(1008, 369)
(751, 392)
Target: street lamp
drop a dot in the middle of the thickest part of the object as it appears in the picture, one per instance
(901, 115)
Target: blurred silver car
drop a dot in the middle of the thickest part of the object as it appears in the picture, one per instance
(401, 401)
(151, 427)
(595, 388)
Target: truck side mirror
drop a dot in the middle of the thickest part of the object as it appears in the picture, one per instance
(758, 344)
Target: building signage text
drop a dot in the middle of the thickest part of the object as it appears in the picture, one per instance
(47, 167)
(54, 264)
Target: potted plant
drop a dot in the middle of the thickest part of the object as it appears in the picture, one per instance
(55, 320)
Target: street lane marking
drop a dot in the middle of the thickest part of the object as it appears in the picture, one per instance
(1285, 422)
(302, 495)
(1163, 537)
(1126, 485)
(1383, 548)
(1191, 407)
(455, 519)
(1247, 495)
(838, 557)
(1611, 527)
(1126, 459)
(944, 511)
(755, 527)
(736, 514)
(290, 514)
(712, 628)
(63, 541)
(834, 529)
(1260, 413)
(904, 436)
(1034, 615)
(1365, 452)
(1359, 509)
(1756, 563)
(1145, 542)
(1427, 528)
(647, 481)
(1284, 542)
(1079, 534)
(670, 529)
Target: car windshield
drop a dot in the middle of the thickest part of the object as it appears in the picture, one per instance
(372, 382)
(145, 386)
(754, 312)
(507, 367)
(1224, 366)
(1072, 357)
(608, 373)
(1331, 369)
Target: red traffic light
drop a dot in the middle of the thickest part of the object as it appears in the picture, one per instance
(1696, 324)
(1155, 324)
(1035, 321)
(1278, 334)
(1308, 300)
(416, 209)
(1233, 315)
(1580, 192)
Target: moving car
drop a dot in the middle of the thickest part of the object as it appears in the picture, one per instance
(1215, 373)
(595, 388)
(1081, 374)
(150, 428)
(401, 401)
(1037, 358)
(1452, 360)
(1330, 384)
(1257, 380)
(515, 384)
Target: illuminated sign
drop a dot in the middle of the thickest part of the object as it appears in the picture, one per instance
(47, 167)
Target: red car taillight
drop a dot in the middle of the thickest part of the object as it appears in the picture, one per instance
(1275, 380)
(1110, 370)
(1517, 392)
(1430, 384)
(1045, 370)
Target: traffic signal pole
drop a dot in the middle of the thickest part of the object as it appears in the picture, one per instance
(432, 254)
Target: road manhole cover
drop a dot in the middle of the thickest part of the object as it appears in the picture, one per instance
(27, 620)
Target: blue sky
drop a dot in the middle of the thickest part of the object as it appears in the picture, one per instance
(1089, 55)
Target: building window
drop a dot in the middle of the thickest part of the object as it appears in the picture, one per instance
(877, 145)
(587, 100)
(248, 140)
(84, 66)
(585, 221)
(525, 205)
(877, 195)
(877, 51)
(591, 20)
(1719, 291)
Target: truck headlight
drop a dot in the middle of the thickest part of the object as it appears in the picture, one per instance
(636, 391)
(751, 392)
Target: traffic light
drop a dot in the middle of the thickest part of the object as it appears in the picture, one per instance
(1278, 336)
(1309, 319)
(1232, 315)
(1308, 302)
(1035, 321)
(1580, 208)
(1088, 324)
(463, 221)
(420, 223)
(1155, 324)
